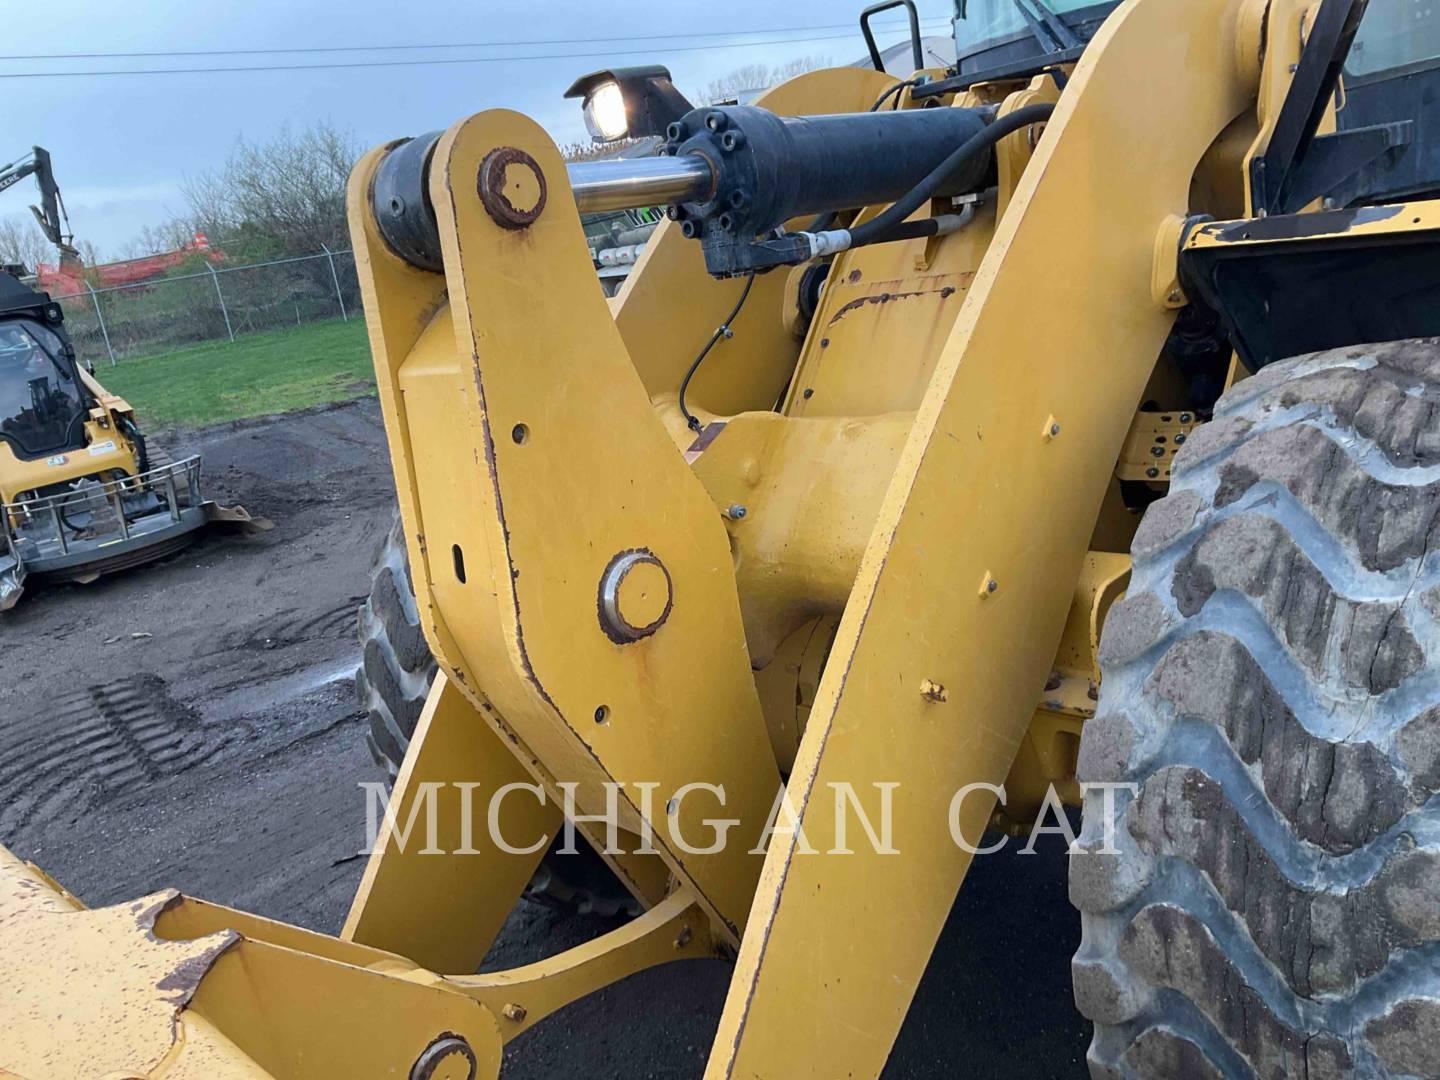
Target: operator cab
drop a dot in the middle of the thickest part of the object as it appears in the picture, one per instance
(43, 403)
(1006, 38)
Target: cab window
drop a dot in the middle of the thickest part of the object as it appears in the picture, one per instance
(41, 406)
(1395, 34)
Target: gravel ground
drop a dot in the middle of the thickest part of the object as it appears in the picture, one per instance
(192, 724)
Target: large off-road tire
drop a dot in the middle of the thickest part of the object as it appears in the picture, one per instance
(394, 678)
(1272, 687)
(396, 667)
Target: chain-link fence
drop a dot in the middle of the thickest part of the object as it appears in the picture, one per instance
(216, 303)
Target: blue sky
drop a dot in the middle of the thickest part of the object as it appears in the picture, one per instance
(122, 144)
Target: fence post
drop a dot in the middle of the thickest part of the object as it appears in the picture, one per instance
(344, 315)
(101, 319)
(223, 310)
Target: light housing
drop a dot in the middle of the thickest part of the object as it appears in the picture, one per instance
(605, 113)
(629, 102)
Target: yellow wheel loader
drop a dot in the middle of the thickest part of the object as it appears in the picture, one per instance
(79, 493)
(1060, 429)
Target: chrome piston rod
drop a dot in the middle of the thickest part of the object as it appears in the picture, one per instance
(629, 183)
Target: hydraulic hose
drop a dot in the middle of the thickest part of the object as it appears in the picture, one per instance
(722, 331)
(879, 227)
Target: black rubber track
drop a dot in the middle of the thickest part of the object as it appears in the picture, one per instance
(1272, 688)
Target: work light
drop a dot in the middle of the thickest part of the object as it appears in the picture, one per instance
(605, 113)
(629, 102)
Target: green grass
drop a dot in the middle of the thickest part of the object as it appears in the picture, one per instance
(258, 374)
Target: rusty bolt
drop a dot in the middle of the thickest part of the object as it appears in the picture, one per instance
(491, 185)
(514, 1012)
(933, 692)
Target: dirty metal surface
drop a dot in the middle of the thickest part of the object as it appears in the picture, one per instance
(125, 1022)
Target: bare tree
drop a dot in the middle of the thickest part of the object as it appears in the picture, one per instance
(154, 239)
(285, 195)
(21, 242)
(591, 151)
(89, 253)
(753, 77)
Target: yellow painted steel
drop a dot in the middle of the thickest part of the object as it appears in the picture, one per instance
(674, 929)
(811, 489)
(808, 1000)
(168, 986)
(136, 1003)
(409, 323)
(1047, 755)
(440, 908)
(1151, 445)
(575, 470)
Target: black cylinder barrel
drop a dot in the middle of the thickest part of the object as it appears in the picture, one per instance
(772, 168)
(400, 199)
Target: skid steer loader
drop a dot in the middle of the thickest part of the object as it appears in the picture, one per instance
(79, 493)
(1060, 428)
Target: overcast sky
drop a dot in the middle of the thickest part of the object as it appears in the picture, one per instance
(122, 144)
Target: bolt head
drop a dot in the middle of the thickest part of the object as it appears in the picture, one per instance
(736, 512)
(1054, 430)
(991, 585)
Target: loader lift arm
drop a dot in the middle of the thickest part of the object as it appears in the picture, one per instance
(50, 214)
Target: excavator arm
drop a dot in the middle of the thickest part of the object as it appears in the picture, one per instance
(50, 214)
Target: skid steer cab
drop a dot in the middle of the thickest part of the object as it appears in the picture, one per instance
(782, 576)
(80, 495)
